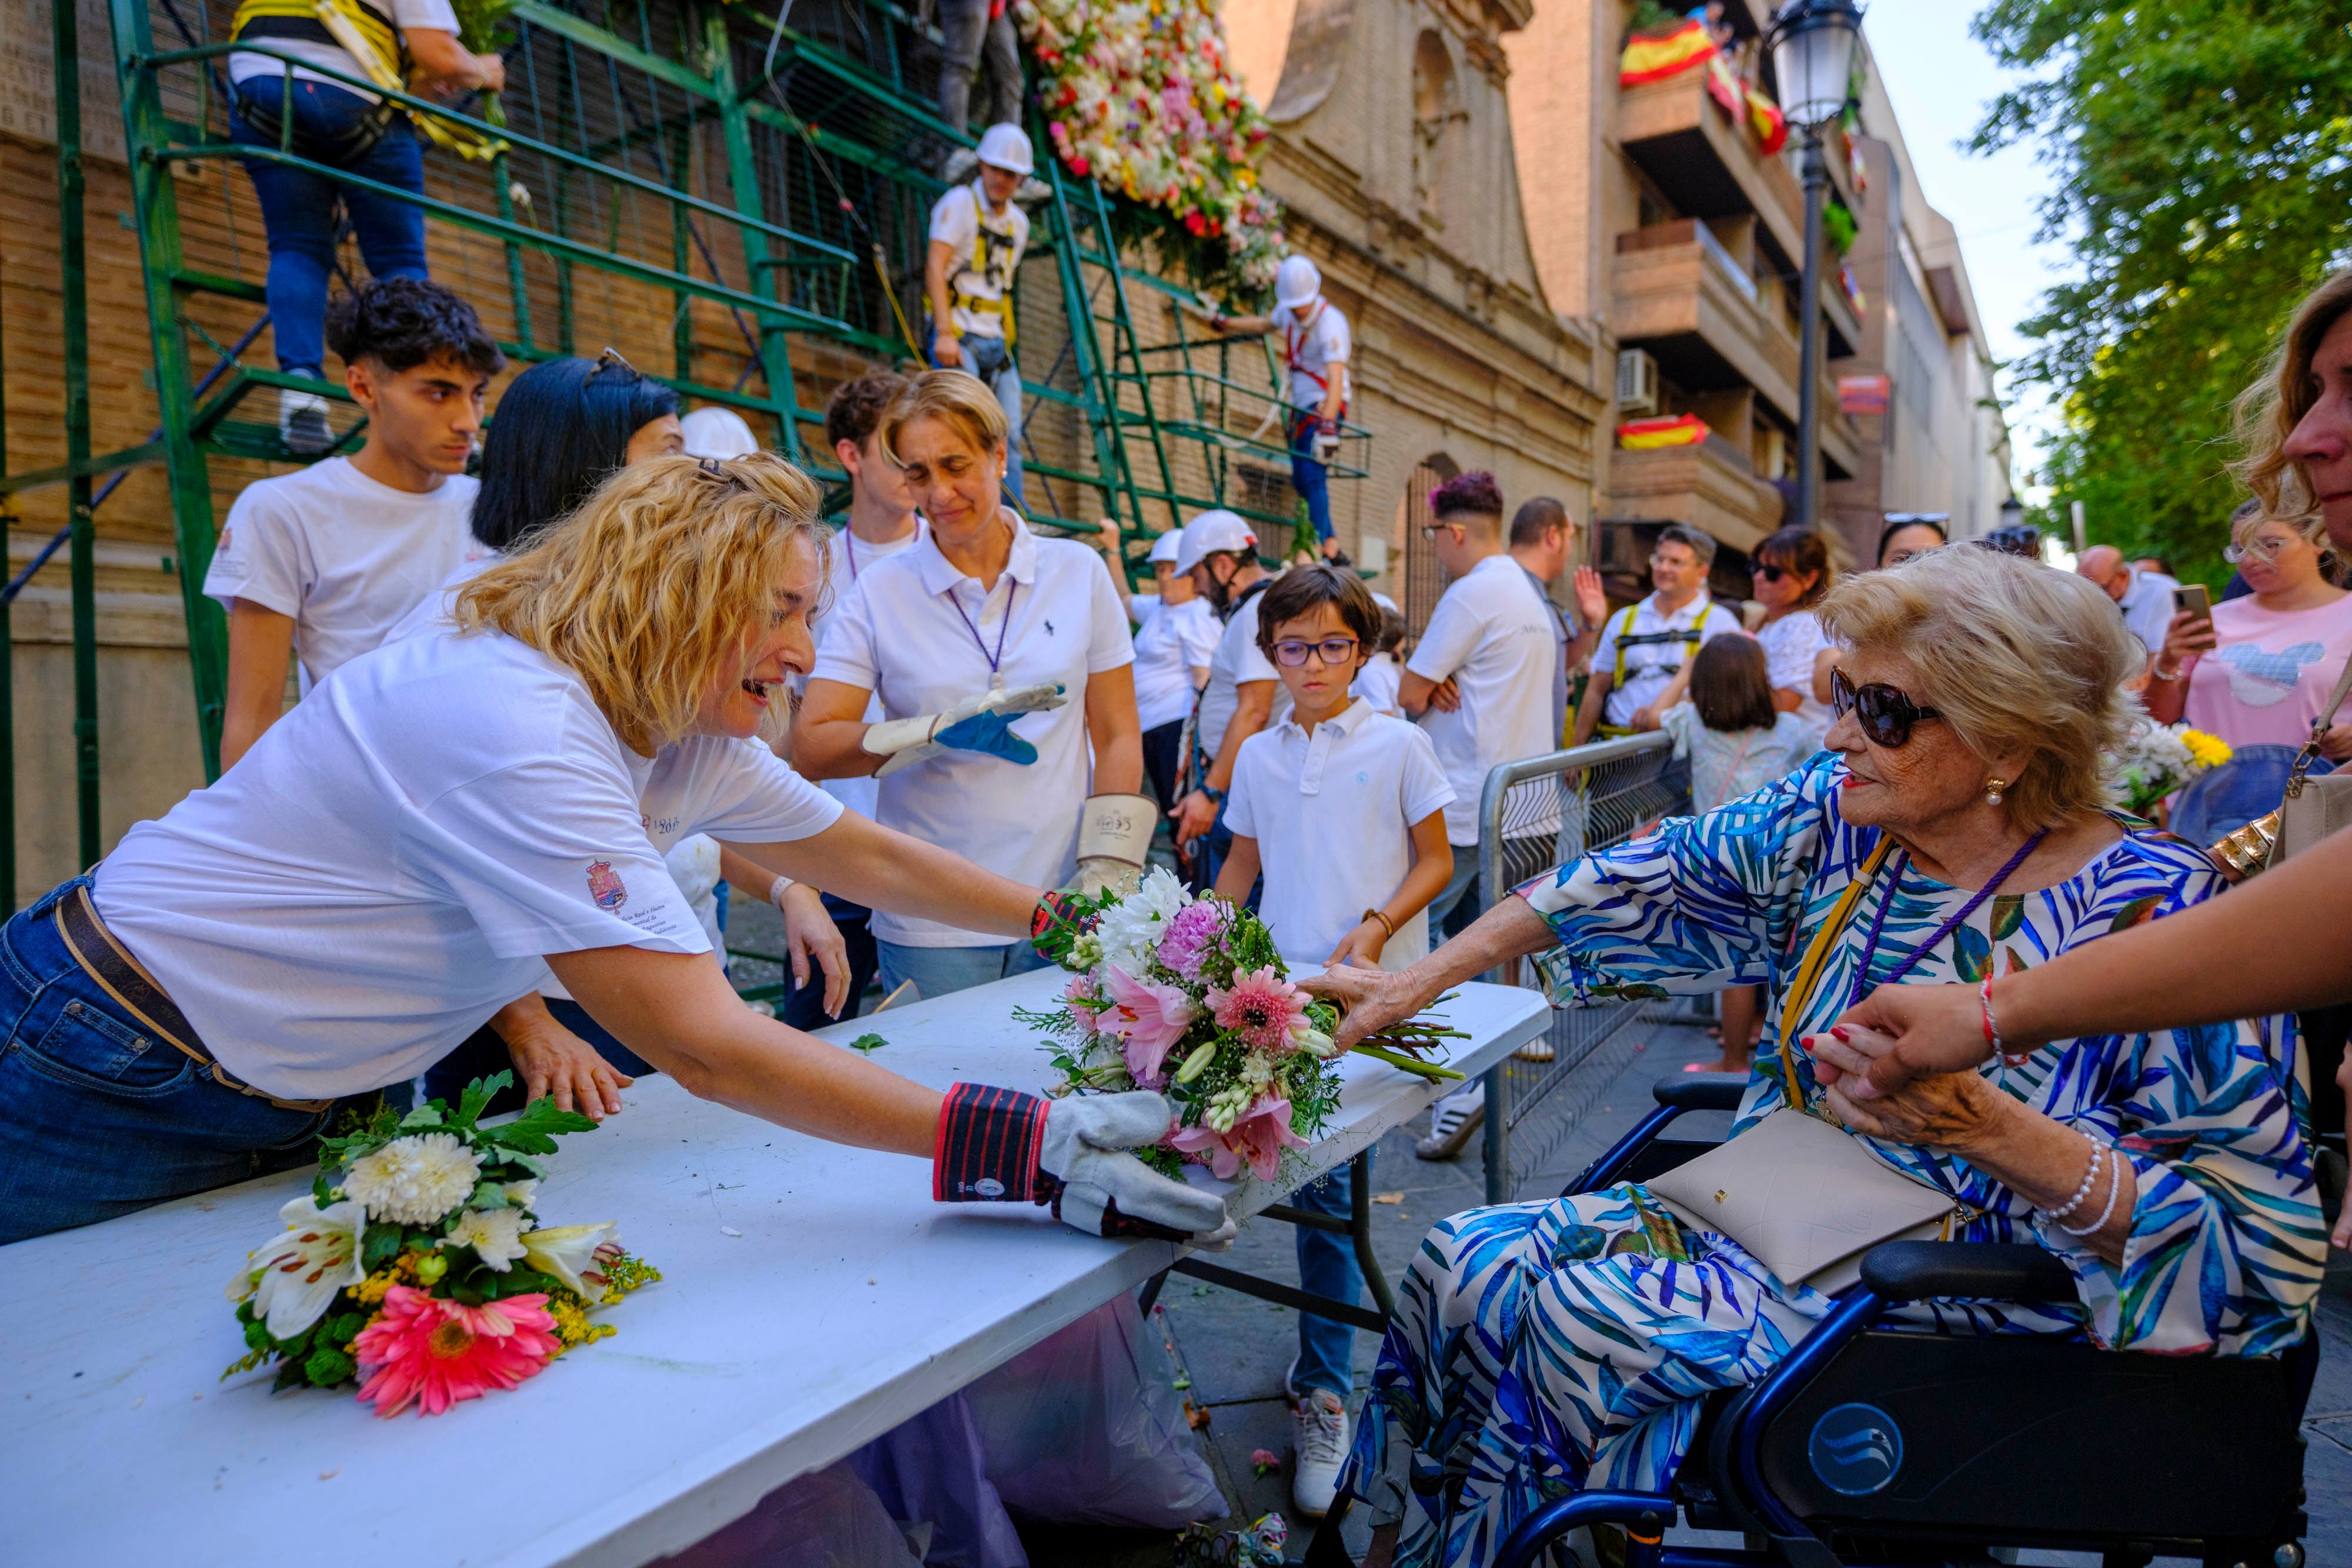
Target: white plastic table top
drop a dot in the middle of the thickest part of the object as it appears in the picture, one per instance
(813, 1297)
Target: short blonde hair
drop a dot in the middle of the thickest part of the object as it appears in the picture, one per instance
(2311, 529)
(960, 400)
(654, 583)
(2267, 412)
(2016, 655)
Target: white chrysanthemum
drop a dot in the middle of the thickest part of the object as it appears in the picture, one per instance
(1130, 930)
(415, 1180)
(493, 1234)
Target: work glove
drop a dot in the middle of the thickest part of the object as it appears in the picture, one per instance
(1000, 1145)
(1114, 837)
(981, 724)
(1326, 446)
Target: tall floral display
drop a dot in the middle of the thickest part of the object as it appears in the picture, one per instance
(1139, 98)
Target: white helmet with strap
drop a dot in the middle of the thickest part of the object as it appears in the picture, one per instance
(1007, 147)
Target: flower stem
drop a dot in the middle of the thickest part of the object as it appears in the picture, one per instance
(1428, 1070)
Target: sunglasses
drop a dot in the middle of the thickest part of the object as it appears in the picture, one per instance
(1291, 654)
(1771, 573)
(1884, 712)
(612, 360)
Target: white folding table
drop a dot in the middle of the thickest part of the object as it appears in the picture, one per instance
(813, 1297)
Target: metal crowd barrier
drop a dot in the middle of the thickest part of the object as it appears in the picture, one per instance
(1533, 816)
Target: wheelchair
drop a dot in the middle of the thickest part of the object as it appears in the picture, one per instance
(1872, 1448)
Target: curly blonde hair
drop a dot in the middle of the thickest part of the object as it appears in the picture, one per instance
(2267, 412)
(654, 586)
(2016, 655)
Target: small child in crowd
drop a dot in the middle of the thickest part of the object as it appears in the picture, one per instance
(1737, 742)
(1383, 672)
(1342, 808)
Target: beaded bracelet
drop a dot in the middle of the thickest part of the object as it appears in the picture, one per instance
(2115, 1189)
(2090, 1177)
(1386, 924)
(1992, 1029)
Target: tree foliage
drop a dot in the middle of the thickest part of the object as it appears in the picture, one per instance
(2203, 154)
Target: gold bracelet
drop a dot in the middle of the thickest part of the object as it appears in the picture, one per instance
(1386, 924)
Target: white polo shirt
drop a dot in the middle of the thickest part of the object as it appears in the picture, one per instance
(919, 634)
(1333, 814)
(1238, 660)
(348, 558)
(1311, 348)
(384, 869)
(1493, 634)
(1171, 643)
(1649, 666)
(847, 558)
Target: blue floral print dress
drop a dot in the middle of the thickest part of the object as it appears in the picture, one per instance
(1545, 1348)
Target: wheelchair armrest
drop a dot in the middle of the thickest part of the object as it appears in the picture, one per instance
(2000, 1271)
(1701, 1090)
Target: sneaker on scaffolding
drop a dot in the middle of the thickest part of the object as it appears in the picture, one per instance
(1537, 1050)
(302, 422)
(1319, 1430)
(1032, 191)
(1450, 1126)
(962, 165)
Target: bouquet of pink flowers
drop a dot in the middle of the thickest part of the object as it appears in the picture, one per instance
(416, 1266)
(1187, 997)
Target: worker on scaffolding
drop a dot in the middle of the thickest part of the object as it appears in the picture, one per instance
(321, 50)
(978, 235)
(1316, 344)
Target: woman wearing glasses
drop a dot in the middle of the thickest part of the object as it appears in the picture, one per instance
(2258, 672)
(1962, 796)
(1792, 576)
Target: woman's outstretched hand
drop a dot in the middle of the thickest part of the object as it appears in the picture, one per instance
(1928, 1029)
(1369, 1000)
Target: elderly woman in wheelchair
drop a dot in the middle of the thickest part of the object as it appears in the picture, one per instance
(1955, 831)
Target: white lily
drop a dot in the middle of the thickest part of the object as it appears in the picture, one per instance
(569, 1253)
(1312, 1041)
(493, 1234)
(520, 1194)
(295, 1276)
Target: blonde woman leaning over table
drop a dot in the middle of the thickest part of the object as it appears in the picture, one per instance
(1958, 823)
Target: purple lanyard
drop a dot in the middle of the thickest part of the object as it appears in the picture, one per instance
(1951, 923)
(995, 660)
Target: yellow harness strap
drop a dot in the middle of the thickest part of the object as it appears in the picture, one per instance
(1817, 956)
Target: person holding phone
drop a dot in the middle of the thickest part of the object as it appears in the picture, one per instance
(2256, 671)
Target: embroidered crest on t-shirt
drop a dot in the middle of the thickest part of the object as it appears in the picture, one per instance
(605, 886)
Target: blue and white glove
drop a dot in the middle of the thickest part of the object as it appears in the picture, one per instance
(981, 724)
(1001, 1145)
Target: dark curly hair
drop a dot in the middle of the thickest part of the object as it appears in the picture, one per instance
(560, 430)
(1475, 492)
(404, 322)
(856, 406)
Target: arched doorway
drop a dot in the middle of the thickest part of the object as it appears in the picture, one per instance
(1423, 581)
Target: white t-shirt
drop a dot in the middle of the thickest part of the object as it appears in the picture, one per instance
(1493, 634)
(1791, 644)
(1649, 666)
(2146, 608)
(386, 866)
(1380, 683)
(405, 15)
(984, 254)
(1310, 347)
(1172, 644)
(1237, 661)
(1333, 815)
(847, 557)
(346, 557)
(919, 634)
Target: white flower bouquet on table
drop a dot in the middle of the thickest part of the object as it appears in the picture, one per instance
(1188, 997)
(2155, 759)
(416, 1266)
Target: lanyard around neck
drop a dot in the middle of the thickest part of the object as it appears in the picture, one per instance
(995, 660)
(1951, 922)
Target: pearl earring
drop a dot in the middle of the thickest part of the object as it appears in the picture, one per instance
(1993, 786)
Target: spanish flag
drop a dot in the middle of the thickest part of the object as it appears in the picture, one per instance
(1647, 434)
(1653, 57)
(1765, 119)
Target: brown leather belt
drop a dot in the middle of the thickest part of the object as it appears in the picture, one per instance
(110, 963)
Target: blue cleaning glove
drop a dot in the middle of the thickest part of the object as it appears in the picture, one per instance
(991, 734)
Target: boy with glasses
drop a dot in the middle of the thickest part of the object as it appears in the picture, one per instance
(1342, 810)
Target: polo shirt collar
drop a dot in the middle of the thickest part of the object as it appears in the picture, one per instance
(1694, 608)
(939, 574)
(1344, 723)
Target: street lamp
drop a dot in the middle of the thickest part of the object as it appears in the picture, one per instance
(1812, 55)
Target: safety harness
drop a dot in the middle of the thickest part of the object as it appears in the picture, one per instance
(990, 250)
(1294, 338)
(371, 38)
(1690, 640)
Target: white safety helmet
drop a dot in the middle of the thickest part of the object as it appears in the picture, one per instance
(1007, 147)
(1385, 602)
(1168, 547)
(1296, 283)
(1213, 533)
(713, 431)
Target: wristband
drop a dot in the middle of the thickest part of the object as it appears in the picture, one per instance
(1992, 1029)
(986, 1148)
(776, 891)
(1386, 924)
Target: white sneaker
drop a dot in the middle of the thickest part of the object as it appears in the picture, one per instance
(1451, 1123)
(302, 422)
(1319, 1430)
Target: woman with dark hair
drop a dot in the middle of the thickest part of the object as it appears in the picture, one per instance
(562, 428)
(1792, 574)
(1908, 534)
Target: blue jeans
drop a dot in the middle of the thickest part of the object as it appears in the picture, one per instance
(2225, 799)
(98, 1117)
(298, 209)
(989, 360)
(939, 971)
(1311, 479)
(1328, 1267)
(805, 1008)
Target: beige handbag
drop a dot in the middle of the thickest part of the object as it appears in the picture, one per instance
(2313, 807)
(1798, 1192)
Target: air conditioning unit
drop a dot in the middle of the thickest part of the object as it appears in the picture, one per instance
(1637, 381)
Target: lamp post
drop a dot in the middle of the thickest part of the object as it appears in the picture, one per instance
(1812, 55)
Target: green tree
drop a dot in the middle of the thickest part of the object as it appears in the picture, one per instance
(2203, 154)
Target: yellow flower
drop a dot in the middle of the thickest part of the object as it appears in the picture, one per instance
(2208, 751)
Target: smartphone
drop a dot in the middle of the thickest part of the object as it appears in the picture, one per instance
(2194, 599)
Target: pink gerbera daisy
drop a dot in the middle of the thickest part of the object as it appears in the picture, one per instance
(1261, 1007)
(424, 1350)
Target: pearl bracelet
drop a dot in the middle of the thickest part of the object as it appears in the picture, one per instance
(2115, 1189)
(2099, 1155)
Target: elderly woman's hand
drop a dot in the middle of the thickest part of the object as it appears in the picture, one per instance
(1368, 1000)
(1927, 1029)
(1955, 1111)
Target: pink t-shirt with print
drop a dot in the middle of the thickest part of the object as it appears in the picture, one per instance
(2271, 672)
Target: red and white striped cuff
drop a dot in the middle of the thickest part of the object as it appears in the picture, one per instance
(987, 1146)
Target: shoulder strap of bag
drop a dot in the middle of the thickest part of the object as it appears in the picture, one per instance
(1809, 972)
(2319, 728)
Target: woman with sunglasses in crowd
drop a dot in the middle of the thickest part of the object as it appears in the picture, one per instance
(1961, 805)
(1792, 576)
